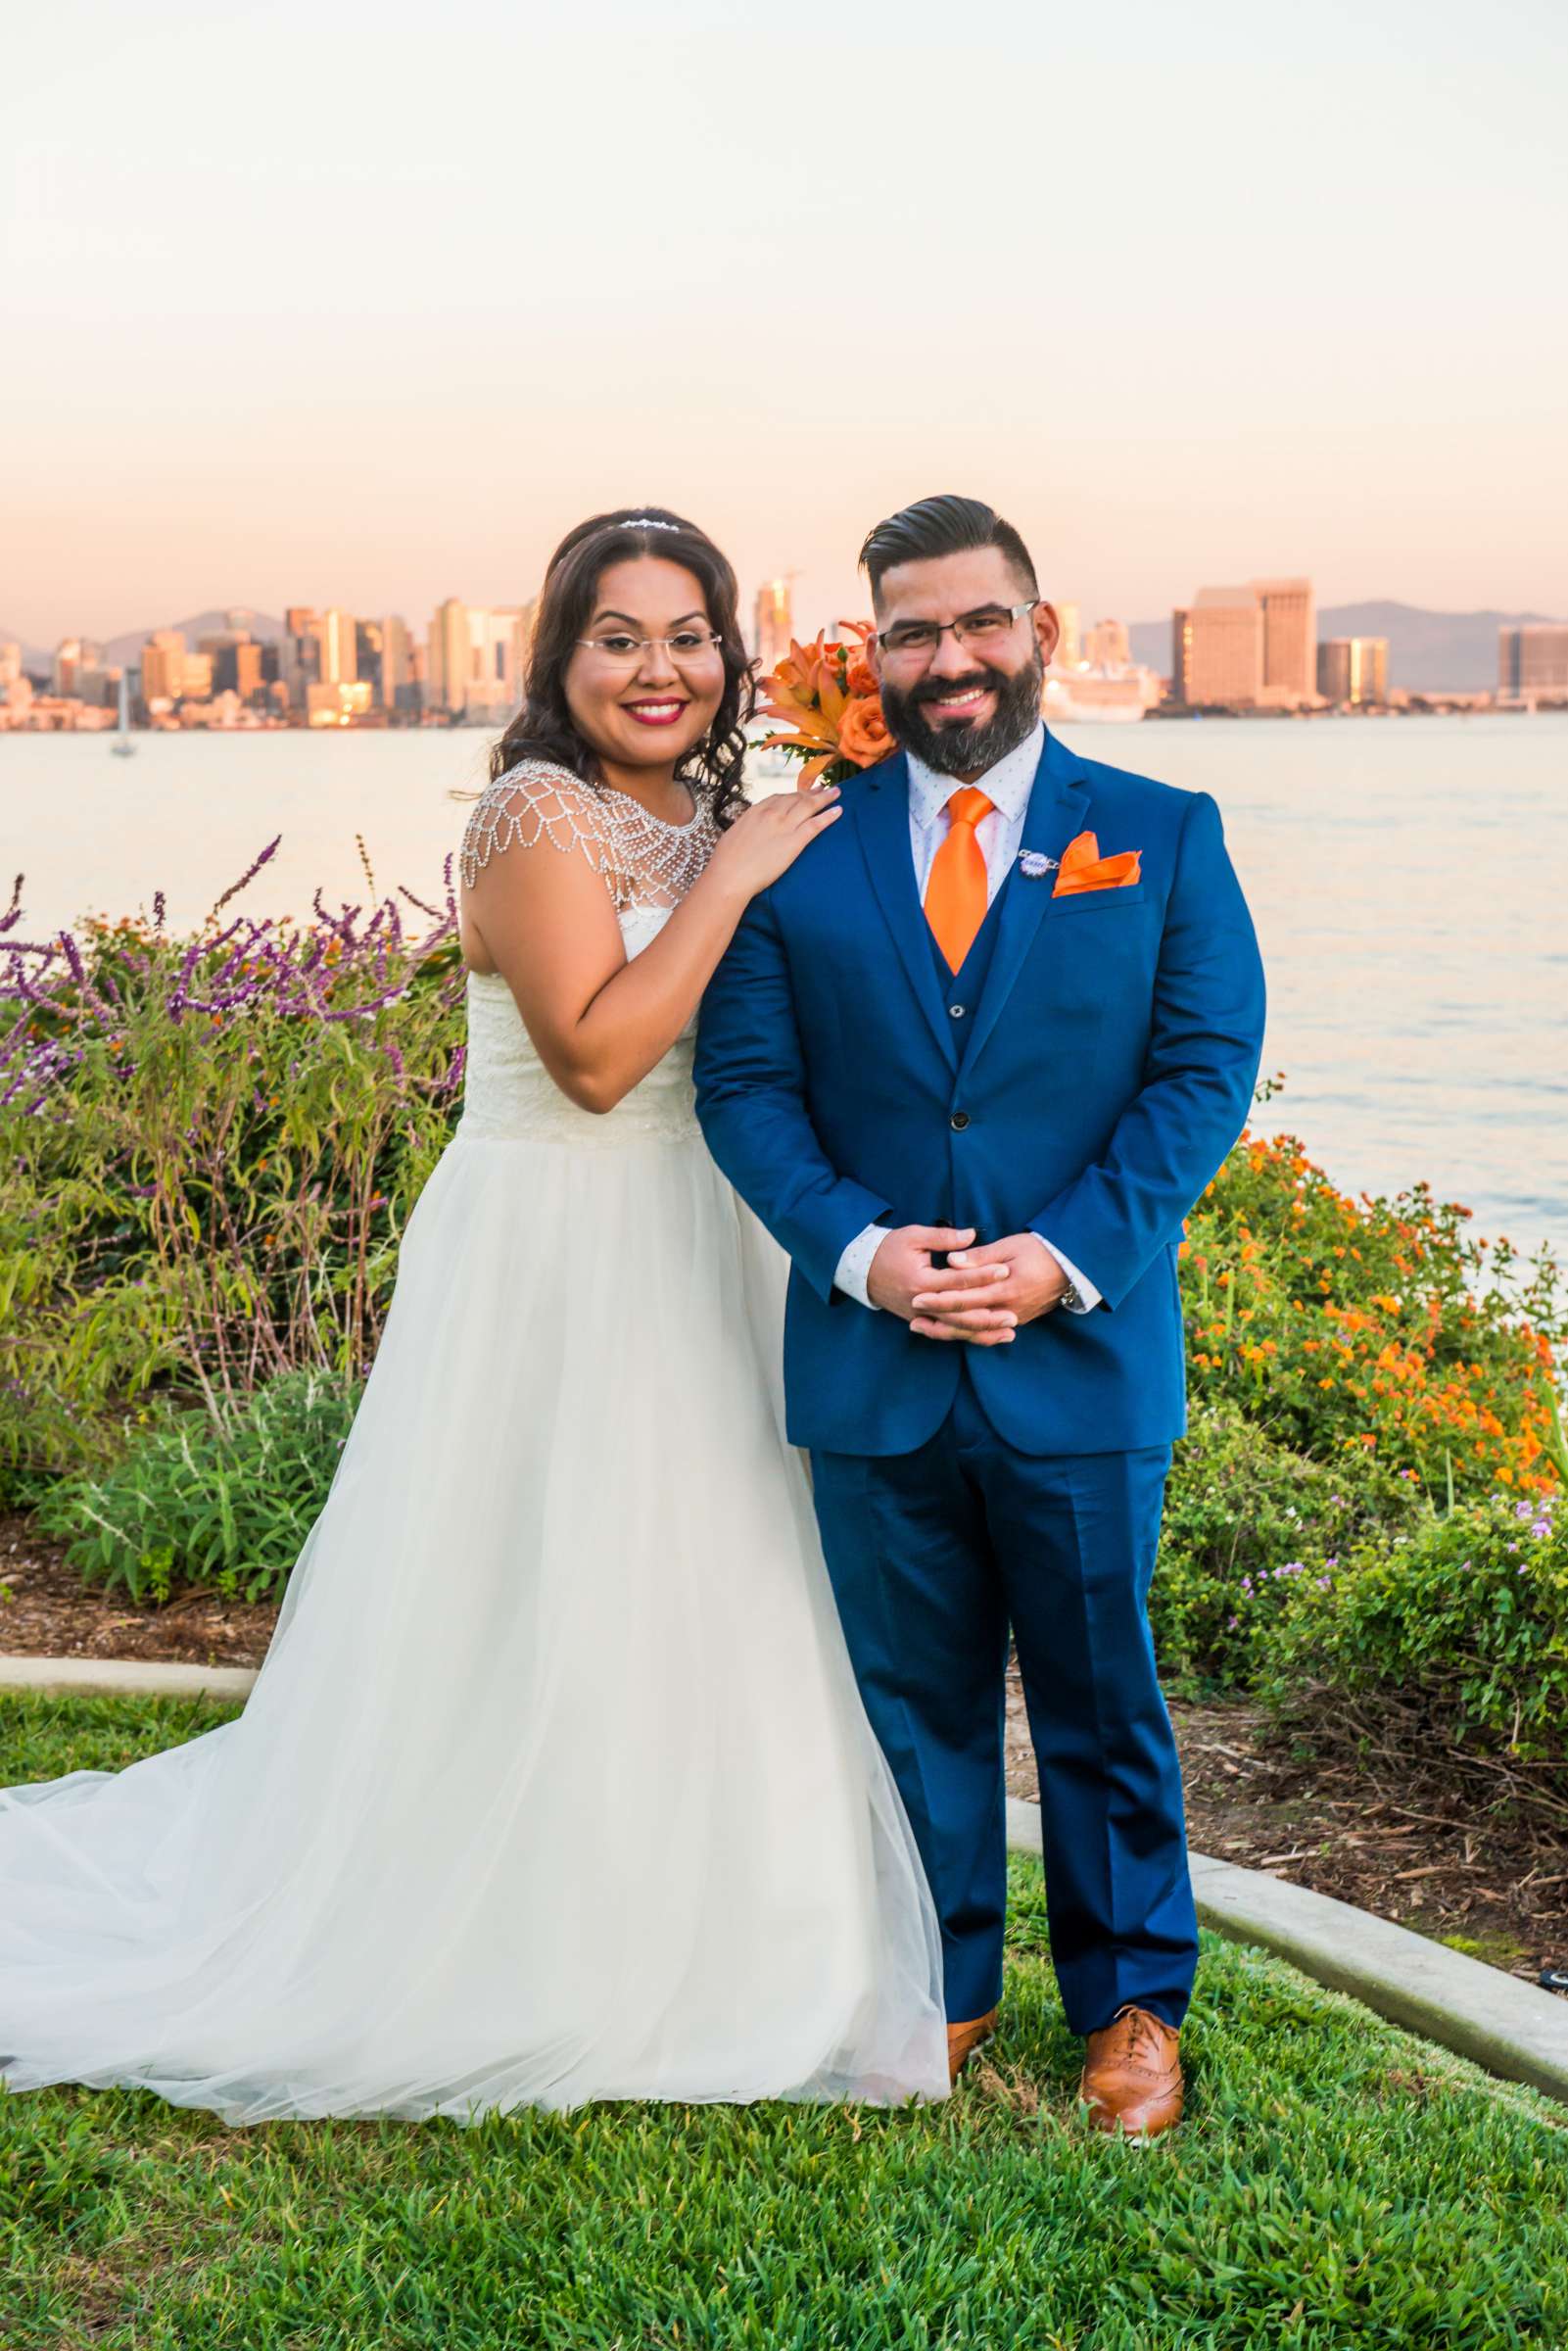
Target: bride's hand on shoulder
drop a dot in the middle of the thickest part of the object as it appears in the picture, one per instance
(765, 840)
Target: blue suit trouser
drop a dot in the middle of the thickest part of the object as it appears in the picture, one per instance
(932, 1554)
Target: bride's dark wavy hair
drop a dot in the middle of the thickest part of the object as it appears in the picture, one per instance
(544, 728)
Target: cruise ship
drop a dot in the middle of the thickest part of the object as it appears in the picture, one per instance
(1099, 694)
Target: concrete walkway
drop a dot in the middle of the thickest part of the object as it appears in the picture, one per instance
(135, 1677)
(1512, 2028)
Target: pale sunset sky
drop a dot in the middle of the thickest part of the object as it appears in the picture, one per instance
(334, 303)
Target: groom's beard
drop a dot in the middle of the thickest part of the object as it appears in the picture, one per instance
(968, 751)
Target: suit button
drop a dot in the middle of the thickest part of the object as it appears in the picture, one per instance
(957, 1011)
(959, 1121)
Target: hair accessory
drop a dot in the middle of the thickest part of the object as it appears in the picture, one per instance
(645, 522)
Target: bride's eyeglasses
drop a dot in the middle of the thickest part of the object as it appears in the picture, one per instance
(687, 648)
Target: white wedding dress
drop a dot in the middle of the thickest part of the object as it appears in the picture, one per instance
(554, 1784)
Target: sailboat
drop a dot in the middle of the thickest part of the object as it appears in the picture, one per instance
(122, 746)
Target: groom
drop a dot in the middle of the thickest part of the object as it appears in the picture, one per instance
(972, 1061)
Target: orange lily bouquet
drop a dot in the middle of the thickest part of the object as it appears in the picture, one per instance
(827, 696)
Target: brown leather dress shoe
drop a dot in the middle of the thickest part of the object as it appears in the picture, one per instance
(1132, 2074)
(964, 2039)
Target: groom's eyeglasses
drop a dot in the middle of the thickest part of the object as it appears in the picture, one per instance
(980, 631)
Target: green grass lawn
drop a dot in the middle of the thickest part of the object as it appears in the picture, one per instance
(1337, 2182)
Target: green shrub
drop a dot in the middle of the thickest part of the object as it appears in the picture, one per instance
(1242, 1513)
(192, 1501)
(1463, 1623)
(208, 1150)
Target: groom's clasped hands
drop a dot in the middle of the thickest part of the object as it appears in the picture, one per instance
(980, 1296)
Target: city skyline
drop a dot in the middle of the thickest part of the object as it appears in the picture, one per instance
(1258, 648)
(574, 262)
(774, 595)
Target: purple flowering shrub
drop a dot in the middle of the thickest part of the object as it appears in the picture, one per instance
(209, 1147)
(1460, 1627)
(1247, 1518)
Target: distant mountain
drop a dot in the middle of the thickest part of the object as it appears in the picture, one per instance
(1456, 650)
(260, 625)
(36, 659)
(40, 658)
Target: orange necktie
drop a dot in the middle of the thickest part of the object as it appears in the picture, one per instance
(955, 893)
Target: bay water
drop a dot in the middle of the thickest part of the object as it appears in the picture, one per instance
(1409, 878)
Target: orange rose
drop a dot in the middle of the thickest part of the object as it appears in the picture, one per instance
(863, 732)
(858, 678)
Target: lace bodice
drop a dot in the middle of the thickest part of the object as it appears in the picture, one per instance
(509, 1095)
(644, 861)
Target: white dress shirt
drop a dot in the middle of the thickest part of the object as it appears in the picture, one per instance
(1007, 786)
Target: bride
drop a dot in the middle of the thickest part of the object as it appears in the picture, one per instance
(554, 1782)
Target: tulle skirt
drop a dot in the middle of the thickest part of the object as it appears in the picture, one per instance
(554, 1784)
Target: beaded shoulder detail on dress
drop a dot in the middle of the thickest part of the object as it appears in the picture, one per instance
(643, 861)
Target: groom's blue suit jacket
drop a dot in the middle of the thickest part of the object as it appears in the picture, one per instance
(1089, 1094)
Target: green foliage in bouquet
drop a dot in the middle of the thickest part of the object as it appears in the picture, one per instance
(193, 1501)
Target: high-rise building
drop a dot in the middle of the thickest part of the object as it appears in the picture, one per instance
(1068, 653)
(1106, 646)
(97, 684)
(447, 678)
(1290, 640)
(368, 657)
(774, 622)
(10, 663)
(164, 666)
(336, 631)
(72, 655)
(1533, 659)
(396, 664)
(300, 653)
(476, 659)
(234, 655)
(1353, 670)
(1217, 647)
(498, 644)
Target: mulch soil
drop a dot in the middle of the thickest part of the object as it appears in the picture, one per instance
(46, 1611)
(1406, 1837)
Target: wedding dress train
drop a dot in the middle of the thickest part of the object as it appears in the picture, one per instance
(554, 1784)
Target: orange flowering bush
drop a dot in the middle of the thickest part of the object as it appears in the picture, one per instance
(1367, 1327)
(825, 695)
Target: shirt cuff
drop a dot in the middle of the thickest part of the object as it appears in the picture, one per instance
(1083, 1297)
(854, 1267)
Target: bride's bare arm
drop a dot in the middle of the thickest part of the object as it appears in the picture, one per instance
(546, 923)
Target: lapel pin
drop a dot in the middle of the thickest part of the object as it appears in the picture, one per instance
(1035, 864)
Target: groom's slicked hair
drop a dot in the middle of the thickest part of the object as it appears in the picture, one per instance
(942, 526)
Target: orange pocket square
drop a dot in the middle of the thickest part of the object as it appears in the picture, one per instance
(1084, 867)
